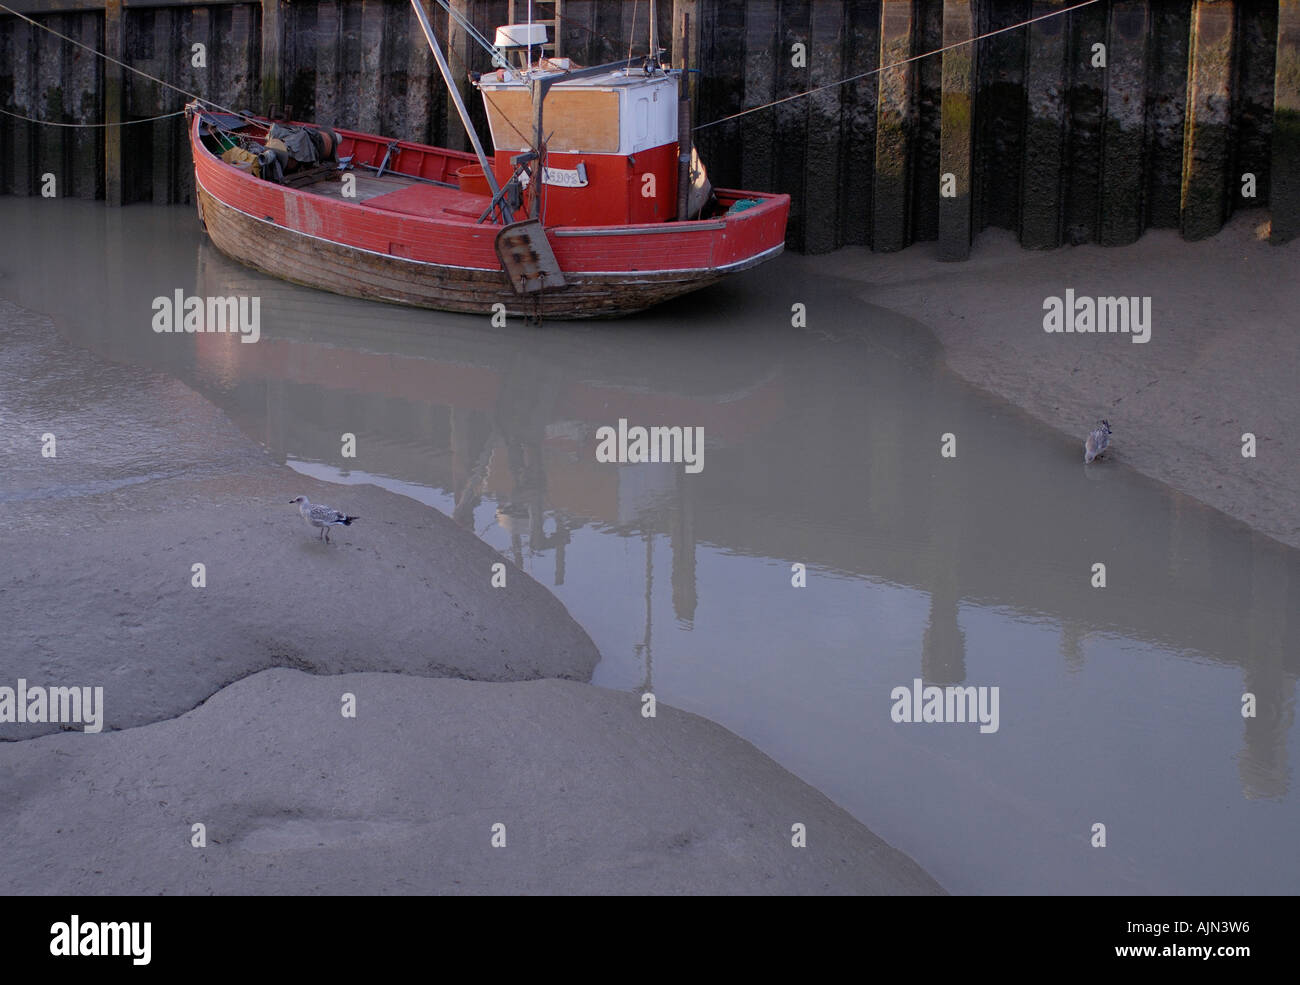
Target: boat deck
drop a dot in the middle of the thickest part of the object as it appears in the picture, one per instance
(407, 196)
(432, 202)
(368, 186)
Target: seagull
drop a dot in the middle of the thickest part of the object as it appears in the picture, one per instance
(321, 516)
(1098, 441)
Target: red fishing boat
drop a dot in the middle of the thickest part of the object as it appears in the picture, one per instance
(594, 203)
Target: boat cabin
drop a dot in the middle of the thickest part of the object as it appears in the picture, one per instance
(610, 140)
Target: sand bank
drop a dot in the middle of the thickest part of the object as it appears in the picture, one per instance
(1223, 357)
(210, 719)
(295, 798)
(101, 543)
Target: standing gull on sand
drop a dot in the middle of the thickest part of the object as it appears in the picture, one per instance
(321, 516)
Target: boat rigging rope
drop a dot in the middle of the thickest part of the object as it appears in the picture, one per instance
(476, 36)
(129, 68)
(905, 61)
(583, 27)
(631, 35)
(486, 97)
(473, 32)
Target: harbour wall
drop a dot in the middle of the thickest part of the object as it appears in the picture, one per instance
(1091, 126)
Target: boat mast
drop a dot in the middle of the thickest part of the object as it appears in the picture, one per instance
(654, 33)
(454, 91)
(529, 62)
(684, 147)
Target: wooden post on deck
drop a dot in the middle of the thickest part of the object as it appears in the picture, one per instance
(1124, 125)
(894, 126)
(956, 131)
(1206, 150)
(1284, 180)
(114, 96)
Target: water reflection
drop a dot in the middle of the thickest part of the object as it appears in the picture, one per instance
(1120, 704)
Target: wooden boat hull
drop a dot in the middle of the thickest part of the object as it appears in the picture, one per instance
(450, 263)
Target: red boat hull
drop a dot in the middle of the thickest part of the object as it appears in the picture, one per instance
(421, 245)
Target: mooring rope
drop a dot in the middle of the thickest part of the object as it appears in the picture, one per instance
(898, 64)
(120, 123)
(129, 68)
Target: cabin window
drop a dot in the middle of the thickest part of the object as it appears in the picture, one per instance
(577, 120)
(642, 118)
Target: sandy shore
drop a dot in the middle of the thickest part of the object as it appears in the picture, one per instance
(403, 799)
(1223, 357)
(150, 479)
(470, 706)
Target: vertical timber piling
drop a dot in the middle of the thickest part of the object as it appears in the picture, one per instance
(1284, 191)
(272, 54)
(794, 159)
(114, 98)
(81, 99)
(895, 120)
(824, 165)
(1204, 204)
(1042, 179)
(1124, 125)
(956, 131)
(1166, 104)
(758, 130)
(1190, 115)
(458, 54)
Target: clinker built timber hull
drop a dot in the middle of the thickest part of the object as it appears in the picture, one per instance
(412, 237)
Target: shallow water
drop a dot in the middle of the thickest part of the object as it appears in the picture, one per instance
(1119, 706)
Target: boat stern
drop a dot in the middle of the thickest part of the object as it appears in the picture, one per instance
(754, 225)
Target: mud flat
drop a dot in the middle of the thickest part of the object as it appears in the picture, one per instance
(149, 480)
(223, 704)
(1222, 359)
(295, 798)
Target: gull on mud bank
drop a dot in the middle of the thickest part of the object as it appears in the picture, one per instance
(321, 516)
(1098, 441)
